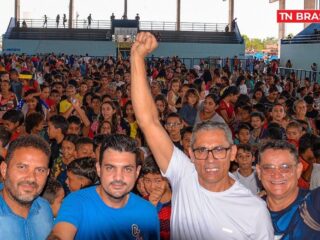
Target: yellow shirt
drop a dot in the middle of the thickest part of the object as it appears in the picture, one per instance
(133, 129)
(64, 106)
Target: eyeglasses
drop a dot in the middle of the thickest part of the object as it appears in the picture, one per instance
(170, 125)
(284, 169)
(202, 153)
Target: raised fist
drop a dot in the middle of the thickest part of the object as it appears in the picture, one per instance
(145, 43)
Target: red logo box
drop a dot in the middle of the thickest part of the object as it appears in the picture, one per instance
(298, 16)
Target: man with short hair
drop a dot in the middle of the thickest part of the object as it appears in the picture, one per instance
(109, 210)
(207, 202)
(23, 214)
(295, 212)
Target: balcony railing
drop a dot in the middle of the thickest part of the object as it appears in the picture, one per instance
(143, 25)
(313, 38)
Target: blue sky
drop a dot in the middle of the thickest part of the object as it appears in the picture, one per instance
(256, 18)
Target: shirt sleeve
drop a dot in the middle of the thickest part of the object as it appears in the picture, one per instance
(70, 211)
(263, 228)
(180, 165)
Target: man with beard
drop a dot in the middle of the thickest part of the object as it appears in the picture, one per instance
(109, 210)
(24, 215)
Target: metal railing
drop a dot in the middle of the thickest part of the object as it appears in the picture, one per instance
(314, 38)
(106, 24)
(301, 74)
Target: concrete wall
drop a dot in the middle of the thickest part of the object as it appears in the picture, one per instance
(104, 48)
(93, 48)
(301, 55)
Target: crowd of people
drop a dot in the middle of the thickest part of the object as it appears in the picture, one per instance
(132, 148)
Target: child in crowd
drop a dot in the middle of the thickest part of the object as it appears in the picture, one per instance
(97, 142)
(59, 169)
(182, 92)
(243, 113)
(81, 173)
(278, 114)
(84, 147)
(173, 94)
(226, 105)
(307, 158)
(189, 109)
(106, 127)
(13, 121)
(74, 125)
(34, 124)
(257, 124)
(54, 194)
(243, 134)
(246, 173)
(186, 134)
(173, 126)
(33, 103)
(130, 118)
(158, 193)
(294, 132)
(57, 128)
(5, 136)
(162, 106)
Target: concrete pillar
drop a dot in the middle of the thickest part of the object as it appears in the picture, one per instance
(125, 14)
(71, 10)
(282, 26)
(309, 4)
(178, 14)
(231, 14)
(17, 10)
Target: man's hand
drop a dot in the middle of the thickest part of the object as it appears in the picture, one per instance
(145, 43)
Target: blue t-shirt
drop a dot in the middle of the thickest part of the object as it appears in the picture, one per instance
(84, 209)
(36, 226)
(300, 220)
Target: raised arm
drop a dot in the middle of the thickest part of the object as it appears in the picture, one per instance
(144, 107)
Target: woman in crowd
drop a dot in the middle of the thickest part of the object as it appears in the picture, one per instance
(300, 112)
(207, 110)
(226, 105)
